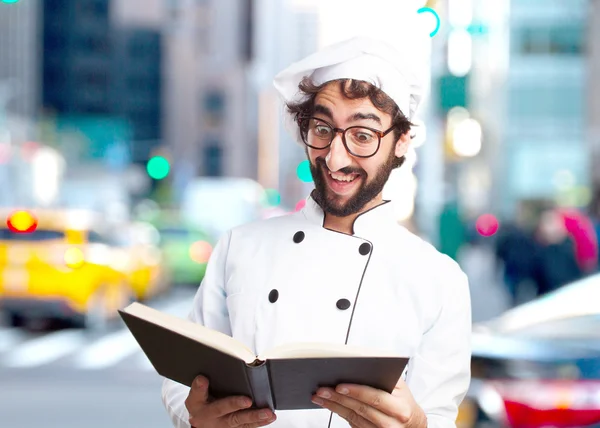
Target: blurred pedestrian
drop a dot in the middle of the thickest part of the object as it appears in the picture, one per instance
(341, 269)
(516, 251)
(594, 211)
(582, 231)
(556, 262)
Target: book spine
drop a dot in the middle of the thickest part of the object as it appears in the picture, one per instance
(258, 376)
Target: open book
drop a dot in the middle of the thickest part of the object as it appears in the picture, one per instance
(284, 378)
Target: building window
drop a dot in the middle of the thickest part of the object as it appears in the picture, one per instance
(248, 31)
(214, 106)
(566, 39)
(174, 10)
(547, 102)
(92, 8)
(213, 160)
(93, 44)
(94, 79)
(54, 77)
(55, 42)
(136, 49)
(53, 6)
(93, 108)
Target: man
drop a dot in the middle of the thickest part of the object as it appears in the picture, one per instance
(341, 270)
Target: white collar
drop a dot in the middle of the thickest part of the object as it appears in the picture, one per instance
(373, 221)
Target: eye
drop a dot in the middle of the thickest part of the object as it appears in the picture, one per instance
(362, 136)
(322, 130)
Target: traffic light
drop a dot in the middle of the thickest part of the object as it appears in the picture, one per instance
(158, 167)
(10, 1)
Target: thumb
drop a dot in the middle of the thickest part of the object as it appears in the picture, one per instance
(200, 389)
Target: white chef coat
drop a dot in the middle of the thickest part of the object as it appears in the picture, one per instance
(401, 293)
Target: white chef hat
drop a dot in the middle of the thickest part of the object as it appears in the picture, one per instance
(393, 71)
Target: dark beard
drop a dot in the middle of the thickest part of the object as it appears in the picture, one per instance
(367, 191)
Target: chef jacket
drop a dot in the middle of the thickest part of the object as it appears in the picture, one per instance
(289, 279)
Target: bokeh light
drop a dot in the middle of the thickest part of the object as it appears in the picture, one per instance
(74, 257)
(273, 197)
(158, 167)
(22, 222)
(200, 251)
(303, 171)
(301, 204)
(487, 225)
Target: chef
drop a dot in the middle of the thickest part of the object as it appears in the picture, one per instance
(341, 270)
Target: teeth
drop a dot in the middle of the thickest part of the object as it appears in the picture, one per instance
(346, 178)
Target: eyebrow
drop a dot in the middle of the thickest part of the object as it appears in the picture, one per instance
(356, 116)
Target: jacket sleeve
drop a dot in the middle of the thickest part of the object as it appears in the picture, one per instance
(210, 309)
(439, 375)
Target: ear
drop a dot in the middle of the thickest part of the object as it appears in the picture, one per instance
(402, 145)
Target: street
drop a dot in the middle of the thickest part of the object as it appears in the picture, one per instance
(59, 398)
(65, 378)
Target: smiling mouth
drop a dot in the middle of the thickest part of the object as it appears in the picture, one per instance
(343, 178)
(342, 184)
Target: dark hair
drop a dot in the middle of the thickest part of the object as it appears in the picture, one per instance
(352, 89)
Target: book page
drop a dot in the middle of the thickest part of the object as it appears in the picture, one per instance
(195, 331)
(322, 350)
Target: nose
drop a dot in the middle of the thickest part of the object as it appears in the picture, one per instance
(338, 157)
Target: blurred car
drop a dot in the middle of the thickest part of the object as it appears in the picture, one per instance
(57, 264)
(217, 204)
(186, 252)
(538, 365)
(140, 259)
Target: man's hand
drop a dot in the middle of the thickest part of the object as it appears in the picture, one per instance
(227, 412)
(366, 407)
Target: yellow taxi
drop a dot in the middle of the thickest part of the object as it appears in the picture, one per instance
(56, 264)
(467, 414)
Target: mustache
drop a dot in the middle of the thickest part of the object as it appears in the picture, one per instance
(345, 170)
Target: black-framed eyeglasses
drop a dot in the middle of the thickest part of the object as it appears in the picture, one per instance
(359, 141)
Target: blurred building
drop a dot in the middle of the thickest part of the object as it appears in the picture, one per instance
(285, 32)
(545, 150)
(228, 141)
(101, 80)
(469, 93)
(77, 57)
(20, 54)
(518, 69)
(136, 89)
(593, 99)
(208, 47)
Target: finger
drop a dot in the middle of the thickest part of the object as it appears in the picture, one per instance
(218, 409)
(353, 418)
(256, 425)
(249, 418)
(386, 403)
(198, 394)
(370, 411)
(225, 406)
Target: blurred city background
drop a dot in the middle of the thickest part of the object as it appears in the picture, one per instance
(134, 132)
